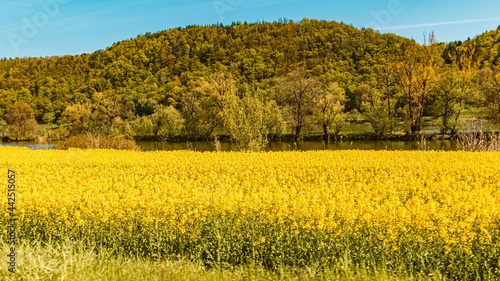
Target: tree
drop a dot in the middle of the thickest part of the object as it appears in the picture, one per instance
(78, 117)
(448, 101)
(21, 123)
(108, 112)
(140, 127)
(145, 106)
(330, 110)
(166, 121)
(373, 105)
(3, 128)
(297, 94)
(489, 92)
(250, 121)
(451, 91)
(48, 117)
(388, 91)
(218, 94)
(416, 76)
(196, 123)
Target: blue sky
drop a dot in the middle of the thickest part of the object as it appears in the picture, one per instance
(59, 27)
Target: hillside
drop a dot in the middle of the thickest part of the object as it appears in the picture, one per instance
(161, 68)
(165, 64)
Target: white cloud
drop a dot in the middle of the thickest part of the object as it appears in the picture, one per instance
(436, 24)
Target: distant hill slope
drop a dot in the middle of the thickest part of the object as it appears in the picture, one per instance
(164, 65)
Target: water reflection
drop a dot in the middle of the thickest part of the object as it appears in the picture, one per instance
(32, 145)
(446, 145)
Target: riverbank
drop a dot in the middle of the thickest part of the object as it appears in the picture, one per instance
(348, 141)
(365, 136)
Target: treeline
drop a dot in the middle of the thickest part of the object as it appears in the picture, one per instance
(249, 81)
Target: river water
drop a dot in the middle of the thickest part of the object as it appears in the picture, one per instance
(310, 145)
(285, 146)
(446, 145)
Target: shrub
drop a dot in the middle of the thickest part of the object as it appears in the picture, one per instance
(472, 138)
(54, 135)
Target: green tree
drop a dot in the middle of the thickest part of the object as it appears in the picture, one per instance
(489, 92)
(49, 118)
(330, 110)
(196, 121)
(448, 101)
(139, 127)
(250, 121)
(146, 106)
(218, 95)
(373, 105)
(166, 122)
(453, 88)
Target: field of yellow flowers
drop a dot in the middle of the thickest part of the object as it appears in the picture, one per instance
(411, 211)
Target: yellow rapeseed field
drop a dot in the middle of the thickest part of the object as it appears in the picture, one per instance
(440, 202)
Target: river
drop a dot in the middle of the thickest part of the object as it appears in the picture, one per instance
(285, 146)
(446, 145)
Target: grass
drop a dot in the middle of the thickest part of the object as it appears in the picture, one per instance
(70, 260)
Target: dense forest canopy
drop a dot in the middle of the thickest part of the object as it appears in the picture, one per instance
(383, 76)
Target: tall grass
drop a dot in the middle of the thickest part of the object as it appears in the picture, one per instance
(474, 139)
(71, 260)
(224, 242)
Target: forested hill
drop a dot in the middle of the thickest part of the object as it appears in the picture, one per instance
(165, 65)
